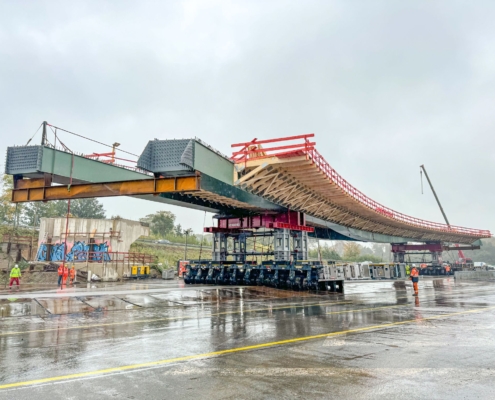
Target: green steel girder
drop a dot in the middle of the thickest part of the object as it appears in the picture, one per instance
(61, 165)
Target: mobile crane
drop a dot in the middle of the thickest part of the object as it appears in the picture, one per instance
(437, 265)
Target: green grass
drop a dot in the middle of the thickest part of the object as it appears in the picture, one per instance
(169, 255)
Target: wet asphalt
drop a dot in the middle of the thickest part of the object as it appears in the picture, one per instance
(161, 340)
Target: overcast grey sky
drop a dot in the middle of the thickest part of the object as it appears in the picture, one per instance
(384, 85)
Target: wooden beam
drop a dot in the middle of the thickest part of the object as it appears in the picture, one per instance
(257, 181)
(294, 201)
(314, 205)
(271, 183)
(310, 196)
(281, 186)
(274, 160)
(250, 174)
(286, 197)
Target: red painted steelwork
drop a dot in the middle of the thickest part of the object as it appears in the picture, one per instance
(281, 225)
(214, 229)
(251, 151)
(269, 149)
(291, 220)
(283, 139)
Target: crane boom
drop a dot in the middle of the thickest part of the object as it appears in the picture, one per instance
(435, 194)
(462, 257)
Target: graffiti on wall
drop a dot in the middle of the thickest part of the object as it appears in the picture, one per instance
(78, 252)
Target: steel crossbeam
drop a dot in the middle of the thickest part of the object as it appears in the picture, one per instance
(34, 189)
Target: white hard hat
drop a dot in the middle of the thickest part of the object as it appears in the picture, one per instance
(414, 265)
(16, 266)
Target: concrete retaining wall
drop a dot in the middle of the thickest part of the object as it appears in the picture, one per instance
(475, 275)
(115, 235)
(118, 233)
(106, 272)
(97, 245)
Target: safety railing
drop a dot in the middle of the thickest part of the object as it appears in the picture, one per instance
(253, 151)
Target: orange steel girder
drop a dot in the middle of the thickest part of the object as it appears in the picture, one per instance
(36, 190)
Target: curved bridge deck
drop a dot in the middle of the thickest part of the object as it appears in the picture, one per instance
(296, 176)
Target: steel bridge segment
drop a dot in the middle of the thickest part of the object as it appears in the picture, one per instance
(214, 194)
(36, 161)
(330, 231)
(260, 183)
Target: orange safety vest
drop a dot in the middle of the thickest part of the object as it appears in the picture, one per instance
(60, 270)
(72, 273)
(414, 272)
(66, 272)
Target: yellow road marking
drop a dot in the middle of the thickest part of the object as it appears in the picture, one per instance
(142, 321)
(368, 309)
(234, 350)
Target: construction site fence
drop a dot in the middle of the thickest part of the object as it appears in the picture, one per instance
(112, 257)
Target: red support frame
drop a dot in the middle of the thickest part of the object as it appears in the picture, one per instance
(290, 220)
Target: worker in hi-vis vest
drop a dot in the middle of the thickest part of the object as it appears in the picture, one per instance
(66, 274)
(60, 273)
(15, 275)
(415, 279)
(72, 274)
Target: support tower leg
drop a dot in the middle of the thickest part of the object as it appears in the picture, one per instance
(301, 245)
(281, 244)
(219, 250)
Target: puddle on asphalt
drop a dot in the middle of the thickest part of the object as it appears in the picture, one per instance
(108, 303)
(205, 295)
(145, 300)
(16, 307)
(65, 305)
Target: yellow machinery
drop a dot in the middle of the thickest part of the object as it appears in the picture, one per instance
(140, 272)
